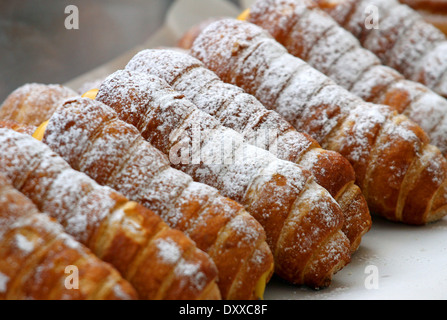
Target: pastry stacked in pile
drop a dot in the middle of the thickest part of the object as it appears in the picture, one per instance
(260, 148)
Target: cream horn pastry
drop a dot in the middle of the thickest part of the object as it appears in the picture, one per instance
(311, 34)
(35, 254)
(92, 139)
(159, 262)
(33, 103)
(261, 127)
(301, 219)
(403, 177)
(402, 39)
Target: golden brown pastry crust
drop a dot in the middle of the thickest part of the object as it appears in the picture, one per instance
(18, 127)
(300, 218)
(404, 41)
(34, 103)
(154, 258)
(190, 35)
(242, 112)
(35, 252)
(391, 155)
(91, 138)
(309, 33)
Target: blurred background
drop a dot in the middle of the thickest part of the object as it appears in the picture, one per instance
(35, 46)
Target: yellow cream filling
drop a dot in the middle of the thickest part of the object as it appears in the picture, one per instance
(262, 283)
(91, 94)
(129, 206)
(40, 131)
(244, 15)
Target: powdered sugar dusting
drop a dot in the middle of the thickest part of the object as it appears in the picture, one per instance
(229, 104)
(142, 173)
(231, 167)
(45, 99)
(3, 282)
(58, 189)
(249, 233)
(311, 101)
(331, 47)
(404, 41)
(65, 202)
(24, 244)
(244, 161)
(120, 293)
(168, 251)
(191, 273)
(365, 118)
(32, 231)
